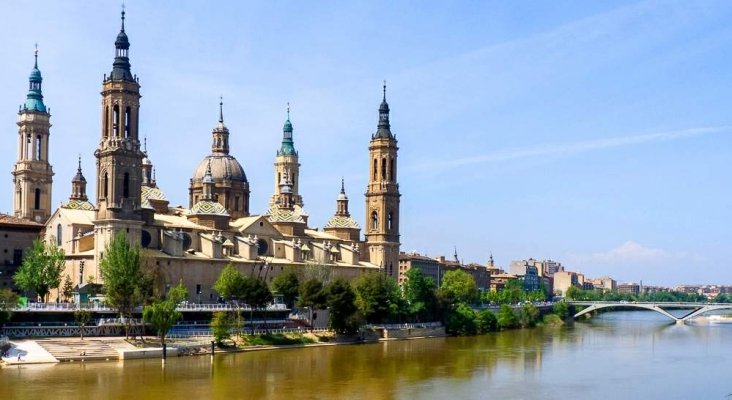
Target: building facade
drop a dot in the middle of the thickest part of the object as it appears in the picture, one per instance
(194, 243)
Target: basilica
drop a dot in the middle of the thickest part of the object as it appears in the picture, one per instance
(193, 244)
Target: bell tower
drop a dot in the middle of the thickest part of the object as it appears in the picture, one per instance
(382, 197)
(119, 158)
(33, 175)
(287, 163)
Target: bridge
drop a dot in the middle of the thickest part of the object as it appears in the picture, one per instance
(694, 309)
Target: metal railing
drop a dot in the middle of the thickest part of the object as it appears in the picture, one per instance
(405, 326)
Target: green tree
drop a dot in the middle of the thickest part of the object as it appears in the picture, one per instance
(41, 269)
(458, 287)
(8, 301)
(461, 321)
(312, 295)
(561, 309)
(257, 295)
(377, 297)
(506, 317)
(221, 326)
(512, 292)
(342, 305)
(230, 283)
(163, 314)
(67, 288)
(82, 317)
(486, 321)
(528, 315)
(124, 281)
(288, 285)
(420, 292)
(573, 293)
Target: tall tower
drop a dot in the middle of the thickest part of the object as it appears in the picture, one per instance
(33, 175)
(382, 197)
(286, 163)
(119, 158)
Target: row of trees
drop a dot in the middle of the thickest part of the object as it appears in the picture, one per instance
(575, 293)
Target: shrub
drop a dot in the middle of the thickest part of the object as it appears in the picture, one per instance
(486, 321)
(461, 321)
(506, 317)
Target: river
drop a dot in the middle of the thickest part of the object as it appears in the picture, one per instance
(617, 355)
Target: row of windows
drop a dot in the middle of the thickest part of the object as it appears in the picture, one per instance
(375, 221)
(384, 163)
(116, 115)
(125, 185)
(29, 149)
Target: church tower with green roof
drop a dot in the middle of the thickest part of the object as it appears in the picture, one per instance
(287, 163)
(33, 174)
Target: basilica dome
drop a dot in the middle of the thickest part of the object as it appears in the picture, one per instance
(223, 167)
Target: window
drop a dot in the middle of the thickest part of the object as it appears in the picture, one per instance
(392, 177)
(376, 168)
(236, 203)
(105, 131)
(38, 147)
(115, 121)
(37, 203)
(374, 220)
(126, 186)
(383, 168)
(28, 149)
(128, 114)
(389, 220)
(105, 185)
(17, 257)
(59, 234)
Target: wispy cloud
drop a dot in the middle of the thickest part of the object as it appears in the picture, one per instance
(567, 149)
(628, 252)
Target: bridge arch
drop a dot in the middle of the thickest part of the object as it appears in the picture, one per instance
(651, 307)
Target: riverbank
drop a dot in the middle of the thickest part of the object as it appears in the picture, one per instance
(41, 351)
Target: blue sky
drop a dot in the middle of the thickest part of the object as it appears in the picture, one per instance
(595, 133)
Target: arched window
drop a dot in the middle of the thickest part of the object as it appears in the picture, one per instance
(383, 168)
(105, 126)
(236, 203)
(392, 177)
(38, 147)
(28, 147)
(105, 185)
(389, 221)
(128, 116)
(376, 168)
(115, 121)
(59, 233)
(126, 186)
(374, 220)
(37, 203)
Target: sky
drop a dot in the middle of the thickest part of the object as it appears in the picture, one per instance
(597, 134)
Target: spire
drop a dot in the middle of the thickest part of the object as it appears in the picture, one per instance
(78, 185)
(208, 183)
(456, 255)
(342, 202)
(34, 99)
(383, 129)
(79, 177)
(220, 132)
(221, 109)
(121, 66)
(288, 145)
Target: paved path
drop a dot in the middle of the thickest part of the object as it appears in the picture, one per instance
(30, 353)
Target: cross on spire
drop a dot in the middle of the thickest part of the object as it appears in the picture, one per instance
(123, 17)
(221, 109)
(35, 52)
(384, 89)
(288, 110)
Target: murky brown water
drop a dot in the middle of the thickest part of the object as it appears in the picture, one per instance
(624, 355)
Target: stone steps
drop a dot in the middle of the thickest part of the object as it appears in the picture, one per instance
(77, 350)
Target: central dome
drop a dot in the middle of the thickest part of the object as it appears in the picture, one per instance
(223, 167)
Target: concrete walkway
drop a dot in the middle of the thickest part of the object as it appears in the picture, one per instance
(30, 353)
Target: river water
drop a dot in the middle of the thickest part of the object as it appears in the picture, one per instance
(617, 355)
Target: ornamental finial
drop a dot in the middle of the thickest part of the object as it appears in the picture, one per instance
(35, 52)
(221, 109)
(123, 17)
(384, 89)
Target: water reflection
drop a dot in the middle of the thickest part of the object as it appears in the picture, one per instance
(622, 354)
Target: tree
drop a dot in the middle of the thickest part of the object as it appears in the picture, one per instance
(41, 269)
(163, 314)
(82, 317)
(461, 321)
(528, 315)
(486, 321)
(257, 295)
(377, 297)
(312, 295)
(230, 283)
(124, 280)
(458, 287)
(513, 292)
(506, 317)
(561, 309)
(341, 302)
(8, 301)
(221, 327)
(420, 294)
(67, 288)
(288, 285)
(572, 293)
